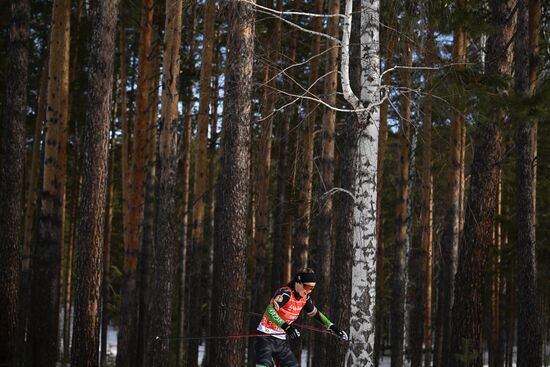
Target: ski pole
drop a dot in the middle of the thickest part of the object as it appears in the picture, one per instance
(236, 336)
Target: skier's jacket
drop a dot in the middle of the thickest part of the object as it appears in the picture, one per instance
(285, 307)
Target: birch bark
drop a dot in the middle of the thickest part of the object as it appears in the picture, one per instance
(364, 229)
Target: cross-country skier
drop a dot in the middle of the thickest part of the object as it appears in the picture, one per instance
(284, 308)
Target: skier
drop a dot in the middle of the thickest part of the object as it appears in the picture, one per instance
(284, 308)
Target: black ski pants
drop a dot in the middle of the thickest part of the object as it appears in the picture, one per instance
(269, 348)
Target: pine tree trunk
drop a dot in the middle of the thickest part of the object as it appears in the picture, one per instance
(344, 205)
(401, 254)
(67, 284)
(325, 239)
(282, 252)
(124, 131)
(44, 309)
(149, 210)
(12, 174)
(529, 320)
(303, 220)
(186, 159)
(199, 247)
(449, 239)
(363, 281)
(260, 266)
(231, 234)
(127, 353)
(383, 137)
(106, 286)
(162, 287)
(466, 341)
(88, 270)
(421, 327)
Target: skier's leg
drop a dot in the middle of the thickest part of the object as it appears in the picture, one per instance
(285, 356)
(263, 348)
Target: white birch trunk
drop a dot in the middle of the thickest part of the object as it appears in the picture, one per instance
(363, 291)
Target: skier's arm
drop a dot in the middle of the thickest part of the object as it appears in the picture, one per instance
(273, 316)
(279, 300)
(317, 315)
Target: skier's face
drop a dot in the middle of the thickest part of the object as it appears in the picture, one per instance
(304, 289)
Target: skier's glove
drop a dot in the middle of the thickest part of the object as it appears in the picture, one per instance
(339, 333)
(291, 331)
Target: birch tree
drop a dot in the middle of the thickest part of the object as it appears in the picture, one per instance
(364, 247)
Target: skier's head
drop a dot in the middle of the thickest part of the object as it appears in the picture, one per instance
(304, 281)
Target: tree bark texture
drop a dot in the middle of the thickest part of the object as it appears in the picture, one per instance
(129, 328)
(44, 306)
(363, 284)
(401, 254)
(466, 340)
(344, 205)
(449, 238)
(199, 247)
(325, 241)
(106, 261)
(421, 315)
(12, 173)
(303, 221)
(529, 317)
(150, 205)
(390, 40)
(162, 287)
(186, 165)
(232, 202)
(95, 154)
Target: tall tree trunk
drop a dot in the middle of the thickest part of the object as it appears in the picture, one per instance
(106, 285)
(231, 235)
(12, 174)
(529, 320)
(494, 339)
(401, 254)
(150, 205)
(199, 247)
(421, 326)
(363, 281)
(325, 242)
(383, 137)
(124, 131)
(260, 268)
(160, 306)
(91, 219)
(282, 251)
(186, 160)
(449, 238)
(466, 341)
(30, 209)
(67, 285)
(44, 310)
(303, 221)
(127, 354)
(344, 206)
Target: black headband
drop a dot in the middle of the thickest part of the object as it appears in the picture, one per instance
(306, 278)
